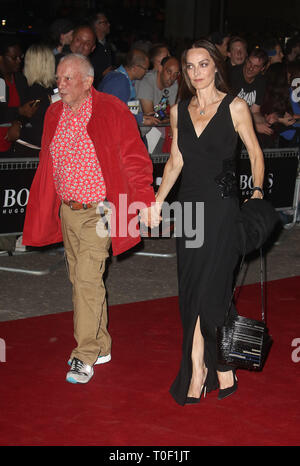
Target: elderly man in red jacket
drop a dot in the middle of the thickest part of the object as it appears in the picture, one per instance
(94, 176)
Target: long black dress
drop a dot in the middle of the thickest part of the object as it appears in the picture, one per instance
(205, 274)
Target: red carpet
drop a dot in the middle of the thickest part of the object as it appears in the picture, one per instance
(127, 402)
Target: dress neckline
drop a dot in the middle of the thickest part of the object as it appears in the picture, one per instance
(211, 119)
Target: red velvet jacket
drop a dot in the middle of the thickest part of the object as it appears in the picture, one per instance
(126, 167)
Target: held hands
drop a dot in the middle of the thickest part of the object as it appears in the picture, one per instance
(151, 216)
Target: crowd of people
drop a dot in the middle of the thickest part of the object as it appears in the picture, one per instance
(147, 79)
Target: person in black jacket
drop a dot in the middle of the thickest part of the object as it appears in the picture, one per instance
(15, 107)
(103, 57)
(39, 71)
(248, 82)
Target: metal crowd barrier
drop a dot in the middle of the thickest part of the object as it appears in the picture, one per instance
(282, 174)
(282, 184)
(282, 178)
(16, 175)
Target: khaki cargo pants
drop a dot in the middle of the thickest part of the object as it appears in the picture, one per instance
(87, 242)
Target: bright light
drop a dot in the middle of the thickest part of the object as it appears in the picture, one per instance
(3, 22)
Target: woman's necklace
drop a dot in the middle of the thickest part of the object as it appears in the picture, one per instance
(202, 111)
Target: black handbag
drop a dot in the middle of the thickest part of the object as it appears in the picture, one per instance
(242, 342)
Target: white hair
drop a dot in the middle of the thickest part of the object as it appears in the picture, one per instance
(85, 64)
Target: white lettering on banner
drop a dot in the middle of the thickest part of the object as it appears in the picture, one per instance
(11, 197)
(246, 183)
(270, 180)
(13, 211)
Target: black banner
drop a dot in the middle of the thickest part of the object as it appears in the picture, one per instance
(280, 175)
(16, 176)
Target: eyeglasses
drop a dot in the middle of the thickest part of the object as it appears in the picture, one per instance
(143, 67)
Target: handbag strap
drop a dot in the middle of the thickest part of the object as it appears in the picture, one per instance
(262, 279)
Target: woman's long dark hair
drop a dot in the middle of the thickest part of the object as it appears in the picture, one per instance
(186, 89)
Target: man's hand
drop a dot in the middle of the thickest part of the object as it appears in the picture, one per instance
(264, 128)
(261, 124)
(150, 120)
(287, 119)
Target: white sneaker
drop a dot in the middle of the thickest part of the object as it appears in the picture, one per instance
(100, 360)
(19, 246)
(103, 359)
(80, 372)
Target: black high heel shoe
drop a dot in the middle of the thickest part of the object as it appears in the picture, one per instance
(225, 392)
(191, 400)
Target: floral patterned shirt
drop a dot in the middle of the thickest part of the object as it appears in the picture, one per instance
(76, 168)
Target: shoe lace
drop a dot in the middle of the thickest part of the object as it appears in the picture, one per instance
(77, 365)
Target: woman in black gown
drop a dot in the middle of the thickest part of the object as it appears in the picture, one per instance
(205, 131)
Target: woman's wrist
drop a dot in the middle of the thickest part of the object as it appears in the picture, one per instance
(258, 190)
(158, 199)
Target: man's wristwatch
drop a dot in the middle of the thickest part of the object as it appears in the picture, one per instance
(257, 188)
